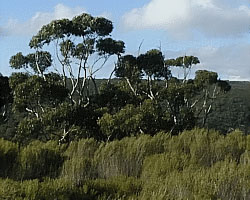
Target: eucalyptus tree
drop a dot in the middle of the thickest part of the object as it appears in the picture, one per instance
(34, 94)
(184, 62)
(154, 68)
(128, 69)
(132, 120)
(181, 102)
(209, 88)
(82, 47)
(149, 66)
(55, 89)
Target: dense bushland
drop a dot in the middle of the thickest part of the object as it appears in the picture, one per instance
(197, 164)
(67, 136)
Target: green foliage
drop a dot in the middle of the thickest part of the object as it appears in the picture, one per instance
(127, 67)
(131, 120)
(125, 157)
(225, 180)
(34, 190)
(110, 47)
(38, 62)
(8, 158)
(197, 164)
(112, 97)
(78, 166)
(152, 63)
(186, 61)
(231, 110)
(63, 123)
(116, 188)
(30, 129)
(5, 91)
(38, 160)
(195, 167)
(33, 93)
(204, 77)
(78, 170)
(82, 148)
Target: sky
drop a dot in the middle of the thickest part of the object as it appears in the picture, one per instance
(216, 31)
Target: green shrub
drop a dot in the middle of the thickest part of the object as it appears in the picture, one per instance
(77, 170)
(78, 165)
(8, 158)
(83, 148)
(125, 157)
(38, 160)
(116, 188)
(231, 146)
(159, 166)
(197, 164)
(10, 190)
(50, 189)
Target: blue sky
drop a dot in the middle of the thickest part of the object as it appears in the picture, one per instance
(217, 31)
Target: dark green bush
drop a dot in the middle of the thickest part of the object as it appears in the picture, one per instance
(116, 188)
(38, 160)
(8, 158)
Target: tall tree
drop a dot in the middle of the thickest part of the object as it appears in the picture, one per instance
(150, 65)
(83, 45)
(184, 62)
(209, 87)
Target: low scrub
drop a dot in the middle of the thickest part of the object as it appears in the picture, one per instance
(197, 164)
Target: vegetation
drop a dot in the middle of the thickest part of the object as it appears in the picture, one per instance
(197, 164)
(143, 135)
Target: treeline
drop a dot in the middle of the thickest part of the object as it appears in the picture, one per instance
(197, 164)
(61, 105)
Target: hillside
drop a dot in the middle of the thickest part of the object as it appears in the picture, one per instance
(232, 110)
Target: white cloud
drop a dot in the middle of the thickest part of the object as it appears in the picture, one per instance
(213, 18)
(14, 27)
(231, 62)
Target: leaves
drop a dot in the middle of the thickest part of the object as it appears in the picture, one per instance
(34, 93)
(110, 46)
(152, 63)
(54, 30)
(127, 68)
(39, 62)
(18, 61)
(204, 77)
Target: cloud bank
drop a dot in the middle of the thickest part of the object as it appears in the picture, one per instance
(15, 27)
(182, 18)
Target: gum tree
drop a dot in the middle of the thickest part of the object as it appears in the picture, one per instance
(81, 46)
(184, 62)
(149, 66)
(181, 102)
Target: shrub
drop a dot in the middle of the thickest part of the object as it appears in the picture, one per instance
(125, 157)
(8, 158)
(116, 188)
(38, 160)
